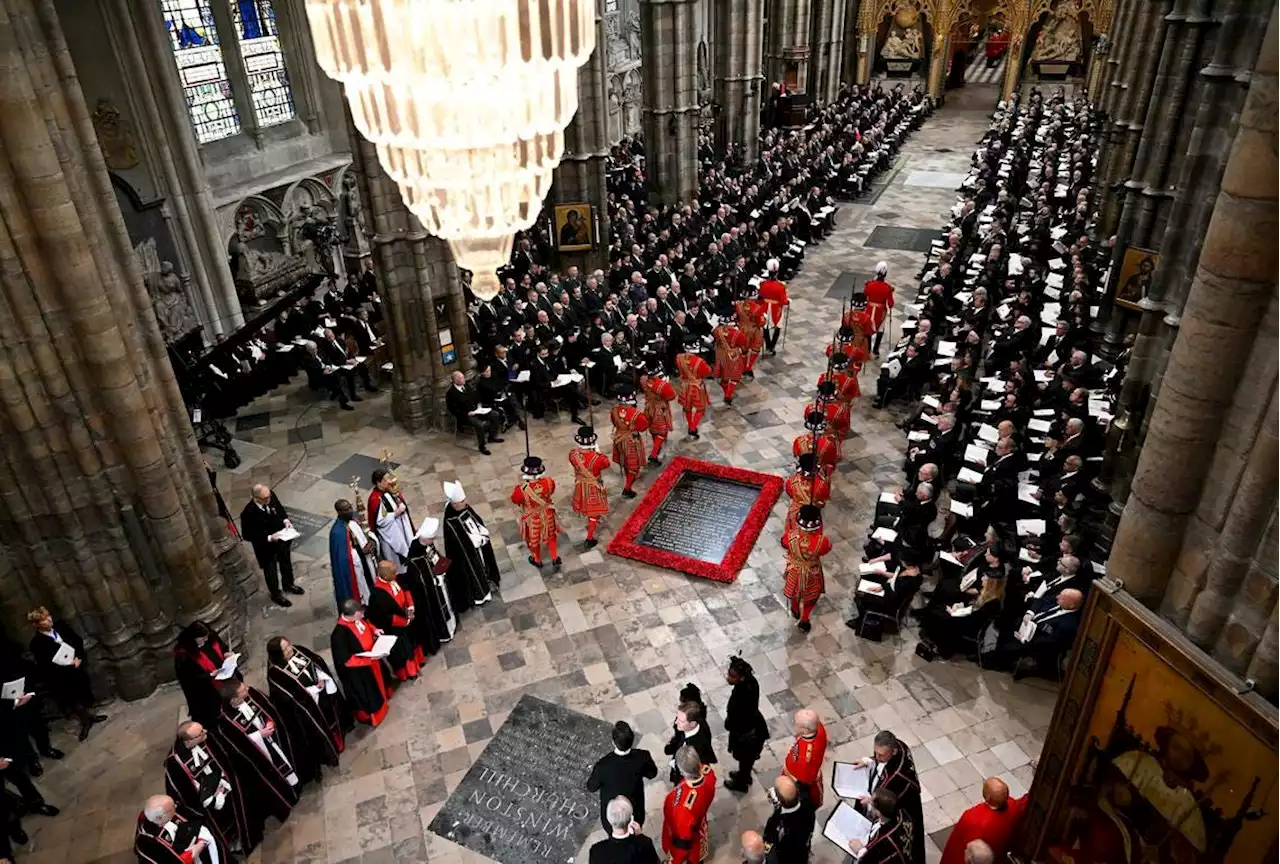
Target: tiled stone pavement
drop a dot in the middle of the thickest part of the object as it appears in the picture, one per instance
(604, 636)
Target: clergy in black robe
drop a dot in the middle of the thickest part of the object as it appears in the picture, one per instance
(63, 664)
(473, 568)
(197, 656)
(789, 828)
(746, 726)
(258, 745)
(893, 770)
(892, 839)
(169, 833)
(306, 697)
(391, 610)
(197, 774)
(434, 622)
(366, 681)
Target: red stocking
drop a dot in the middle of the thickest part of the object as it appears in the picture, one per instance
(592, 522)
(658, 441)
(552, 542)
(806, 609)
(729, 387)
(630, 479)
(693, 419)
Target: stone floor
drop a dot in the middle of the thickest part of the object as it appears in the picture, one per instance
(604, 636)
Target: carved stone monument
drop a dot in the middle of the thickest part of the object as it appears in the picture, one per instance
(173, 308)
(352, 228)
(261, 263)
(903, 49)
(623, 60)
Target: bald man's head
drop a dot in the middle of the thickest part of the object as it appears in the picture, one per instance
(1070, 598)
(752, 847)
(995, 792)
(978, 852)
(786, 789)
(806, 721)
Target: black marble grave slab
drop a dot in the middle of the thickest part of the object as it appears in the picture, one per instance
(842, 288)
(907, 239)
(360, 466)
(700, 517)
(524, 800)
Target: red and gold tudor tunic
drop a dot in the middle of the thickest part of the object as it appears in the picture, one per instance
(628, 447)
(658, 394)
(847, 386)
(751, 322)
(803, 578)
(692, 394)
(589, 495)
(804, 490)
(828, 454)
(839, 416)
(804, 762)
(537, 513)
(684, 819)
(730, 344)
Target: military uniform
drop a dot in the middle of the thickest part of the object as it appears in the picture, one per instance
(628, 446)
(731, 344)
(803, 763)
(658, 394)
(684, 819)
(803, 581)
(803, 488)
(692, 395)
(590, 498)
(538, 524)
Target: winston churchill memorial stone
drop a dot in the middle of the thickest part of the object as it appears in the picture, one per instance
(525, 799)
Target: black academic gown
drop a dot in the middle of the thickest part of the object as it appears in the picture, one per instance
(900, 778)
(317, 724)
(471, 571)
(267, 778)
(193, 786)
(153, 846)
(434, 622)
(365, 681)
(392, 617)
(69, 684)
(791, 833)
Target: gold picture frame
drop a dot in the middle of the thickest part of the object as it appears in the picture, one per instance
(1137, 269)
(573, 227)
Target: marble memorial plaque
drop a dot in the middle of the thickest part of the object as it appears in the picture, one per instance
(700, 517)
(524, 801)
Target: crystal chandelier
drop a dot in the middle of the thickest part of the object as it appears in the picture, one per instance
(466, 102)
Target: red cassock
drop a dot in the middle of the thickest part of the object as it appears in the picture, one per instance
(804, 762)
(370, 695)
(774, 296)
(803, 578)
(537, 514)
(839, 417)
(730, 343)
(684, 819)
(879, 302)
(828, 449)
(804, 490)
(693, 391)
(980, 822)
(589, 495)
(847, 386)
(658, 394)
(628, 448)
(751, 322)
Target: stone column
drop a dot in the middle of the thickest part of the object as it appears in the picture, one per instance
(417, 278)
(582, 172)
(109, 519)
(669, 39)
(738, 35)
(826, 62)
(1231, 305)
(1220, 92)
(849, 42)
(148, 65)
(786, 56)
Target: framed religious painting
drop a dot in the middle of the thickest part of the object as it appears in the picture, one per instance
(1136, 271)
(1155, 753)
(573, 227)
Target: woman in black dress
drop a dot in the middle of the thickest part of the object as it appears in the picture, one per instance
(746, 726)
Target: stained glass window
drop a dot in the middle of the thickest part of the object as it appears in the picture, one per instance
(204, 76)
(255, 22)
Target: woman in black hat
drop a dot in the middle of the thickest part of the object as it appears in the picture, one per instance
(746, 726)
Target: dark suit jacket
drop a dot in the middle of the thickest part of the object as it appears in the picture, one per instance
(636, 849)
(68, 683)
(616, 775)
(459, 402)
(256, 525)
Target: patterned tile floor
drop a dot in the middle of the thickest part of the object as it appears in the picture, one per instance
(604, 636)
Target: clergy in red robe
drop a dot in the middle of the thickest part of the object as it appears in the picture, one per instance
(307, 698)
(538, 524)
(365, 680)
(170, 834)
(804, 760)
(993, 821)
(684, 812)
(391, 609)
(198, 775)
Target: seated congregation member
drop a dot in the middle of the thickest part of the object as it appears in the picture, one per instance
(307, 699)
(198, 775)
(168, 833)
(198, 657)
(62, 663)
(366, 681)
(468, 413)
(329, 378)
(893, 591)
(947, 629)
(1046, 634)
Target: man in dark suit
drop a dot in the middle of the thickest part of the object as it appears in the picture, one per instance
(998, 490)
(262, 522)
(625, 843)
(789, 828)
(462, 404)
(691, 730)
(334, 352)
(323, 376)
(622, 772)
(1052, 624)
